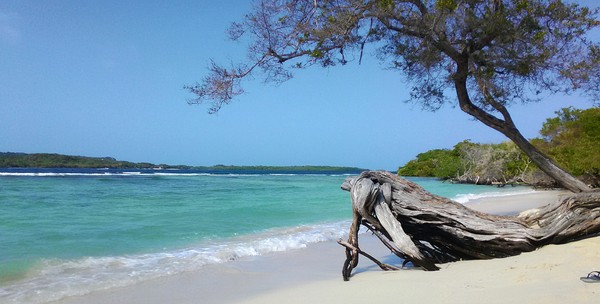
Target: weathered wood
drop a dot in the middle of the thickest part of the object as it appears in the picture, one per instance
(427, 229)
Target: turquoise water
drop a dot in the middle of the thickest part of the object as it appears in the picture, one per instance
(70, 233)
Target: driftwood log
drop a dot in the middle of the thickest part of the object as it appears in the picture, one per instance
(427, 229)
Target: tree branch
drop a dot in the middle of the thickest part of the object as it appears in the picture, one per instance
(381, 265)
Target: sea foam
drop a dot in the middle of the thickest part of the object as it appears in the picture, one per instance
(466, 198)
(55, 279)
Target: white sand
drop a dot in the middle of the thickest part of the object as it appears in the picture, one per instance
(313, 275)
(549, 275)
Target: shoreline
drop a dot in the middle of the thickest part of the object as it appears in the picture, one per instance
(514, 204)
(313, 274)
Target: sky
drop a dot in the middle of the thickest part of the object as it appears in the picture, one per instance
(105, 78)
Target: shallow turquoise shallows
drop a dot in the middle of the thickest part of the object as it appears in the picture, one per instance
(68, 233)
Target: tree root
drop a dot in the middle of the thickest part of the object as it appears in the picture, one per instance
(348, 261)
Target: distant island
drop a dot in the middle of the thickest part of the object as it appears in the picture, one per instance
(50, 160)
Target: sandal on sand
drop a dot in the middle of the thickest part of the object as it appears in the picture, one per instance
(592, 277)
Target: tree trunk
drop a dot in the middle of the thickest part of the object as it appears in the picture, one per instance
(427, 229)
(508, 128)
(547, 165)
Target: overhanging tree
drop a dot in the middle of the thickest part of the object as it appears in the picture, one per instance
(486, 54)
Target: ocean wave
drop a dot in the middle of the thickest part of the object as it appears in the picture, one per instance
(466, 198)
(312, 174)
(137, 173)
(52, 174)
(104, 174)
(55, 279)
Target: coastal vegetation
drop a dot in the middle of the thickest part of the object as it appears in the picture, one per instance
(47, 160)
(51, 160)
(470, 162)
(572, 139)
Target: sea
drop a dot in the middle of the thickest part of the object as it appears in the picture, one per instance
(68, 232)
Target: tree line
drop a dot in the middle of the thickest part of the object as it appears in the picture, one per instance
(571, 139)
(53, 160)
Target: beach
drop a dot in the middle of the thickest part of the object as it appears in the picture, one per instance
(313, 274)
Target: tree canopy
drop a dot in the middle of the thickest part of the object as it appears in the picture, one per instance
(572, 138)
(513, 48)
(470, 162)
(440, 163)
(484, 54)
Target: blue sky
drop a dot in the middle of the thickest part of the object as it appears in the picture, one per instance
(105, 78)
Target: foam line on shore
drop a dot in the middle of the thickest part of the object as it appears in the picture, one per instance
(56, 279)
